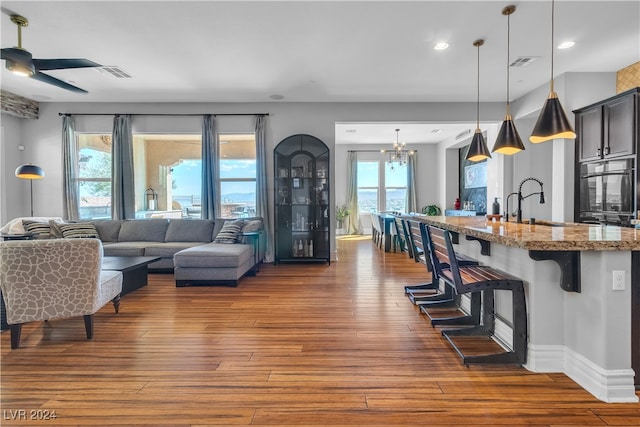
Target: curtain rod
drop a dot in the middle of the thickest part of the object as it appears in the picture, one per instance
(162, 114)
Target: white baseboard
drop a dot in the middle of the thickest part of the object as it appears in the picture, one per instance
(608, 385)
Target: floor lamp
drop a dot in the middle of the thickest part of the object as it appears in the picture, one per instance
(30, 172)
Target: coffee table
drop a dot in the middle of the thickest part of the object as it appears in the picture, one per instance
(133, 268)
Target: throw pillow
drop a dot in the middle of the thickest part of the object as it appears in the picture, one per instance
(252, 225)
(40, 230)
(56, 232)
(230, 231)
(79, 230)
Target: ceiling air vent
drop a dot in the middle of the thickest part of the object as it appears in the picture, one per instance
(523, 61)
(116, 72)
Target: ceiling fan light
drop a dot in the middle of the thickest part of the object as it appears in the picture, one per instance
(478, 149)
(552, 122)
(19, 69)
(508, 141)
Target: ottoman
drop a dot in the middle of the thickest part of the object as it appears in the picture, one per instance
(214, 264)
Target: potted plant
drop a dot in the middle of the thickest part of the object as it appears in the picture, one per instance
(431, 210)
(341, 213)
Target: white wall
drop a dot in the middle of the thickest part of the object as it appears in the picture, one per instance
(14, 191)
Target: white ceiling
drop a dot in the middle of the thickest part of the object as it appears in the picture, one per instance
(313, 51)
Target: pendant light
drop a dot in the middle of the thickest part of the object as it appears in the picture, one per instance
(552, 122)
(508, 141)
(478, 150)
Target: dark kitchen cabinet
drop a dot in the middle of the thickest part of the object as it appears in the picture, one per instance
(302, 214)
(609, 128)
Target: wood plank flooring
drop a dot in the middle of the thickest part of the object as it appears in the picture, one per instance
(296, 345)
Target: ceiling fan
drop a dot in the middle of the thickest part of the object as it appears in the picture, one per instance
(21, 62)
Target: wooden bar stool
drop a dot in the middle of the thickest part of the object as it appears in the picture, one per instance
(439, 259)
(485, 280)
(428, 289)
(401, 238)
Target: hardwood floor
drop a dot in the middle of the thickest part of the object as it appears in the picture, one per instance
(295, 345)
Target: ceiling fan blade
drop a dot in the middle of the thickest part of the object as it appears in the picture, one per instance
(59, 64)
(56, 82)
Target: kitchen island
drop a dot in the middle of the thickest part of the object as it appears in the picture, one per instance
(578, 323)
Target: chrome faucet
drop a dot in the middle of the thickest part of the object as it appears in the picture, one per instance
(521, 198)
(506, 207)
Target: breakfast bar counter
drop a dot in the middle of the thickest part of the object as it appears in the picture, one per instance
(542, 235)
(582, 285)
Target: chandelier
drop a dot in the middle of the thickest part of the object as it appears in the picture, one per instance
(398, 155)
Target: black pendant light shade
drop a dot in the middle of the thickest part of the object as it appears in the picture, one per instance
(478, 150)
(508, 141)
(552, 122)
(29, 171)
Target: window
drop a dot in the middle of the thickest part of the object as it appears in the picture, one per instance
(167, 175)
(237, 175)
(94, 176)
(395, 187)
(368, 186)
(380, 188)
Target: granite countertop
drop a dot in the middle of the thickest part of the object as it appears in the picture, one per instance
(543, 235)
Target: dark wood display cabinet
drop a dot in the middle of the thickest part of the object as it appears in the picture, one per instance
(301, 195)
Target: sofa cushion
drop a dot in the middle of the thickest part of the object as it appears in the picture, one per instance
(108, 229)
(40, 230)
(229, 232)
(167, 250)
(78, 230)
(189, 230)
(214, 255)
(124, 248)
(143, 230)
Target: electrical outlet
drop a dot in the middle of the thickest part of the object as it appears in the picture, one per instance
(618, 280)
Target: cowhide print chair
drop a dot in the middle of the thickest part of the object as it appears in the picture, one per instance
(43, 280)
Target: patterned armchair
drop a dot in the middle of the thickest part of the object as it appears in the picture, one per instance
(53, 279)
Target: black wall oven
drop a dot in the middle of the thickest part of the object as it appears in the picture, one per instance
(607, 192)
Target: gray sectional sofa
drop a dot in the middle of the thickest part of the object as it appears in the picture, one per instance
(187, 247)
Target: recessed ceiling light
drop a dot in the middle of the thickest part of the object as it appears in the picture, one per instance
(441, 46)
(566, 45)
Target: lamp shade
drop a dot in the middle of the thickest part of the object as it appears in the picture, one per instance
(508, 141)
(552, 122)
(29, 171)
(478, 150)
